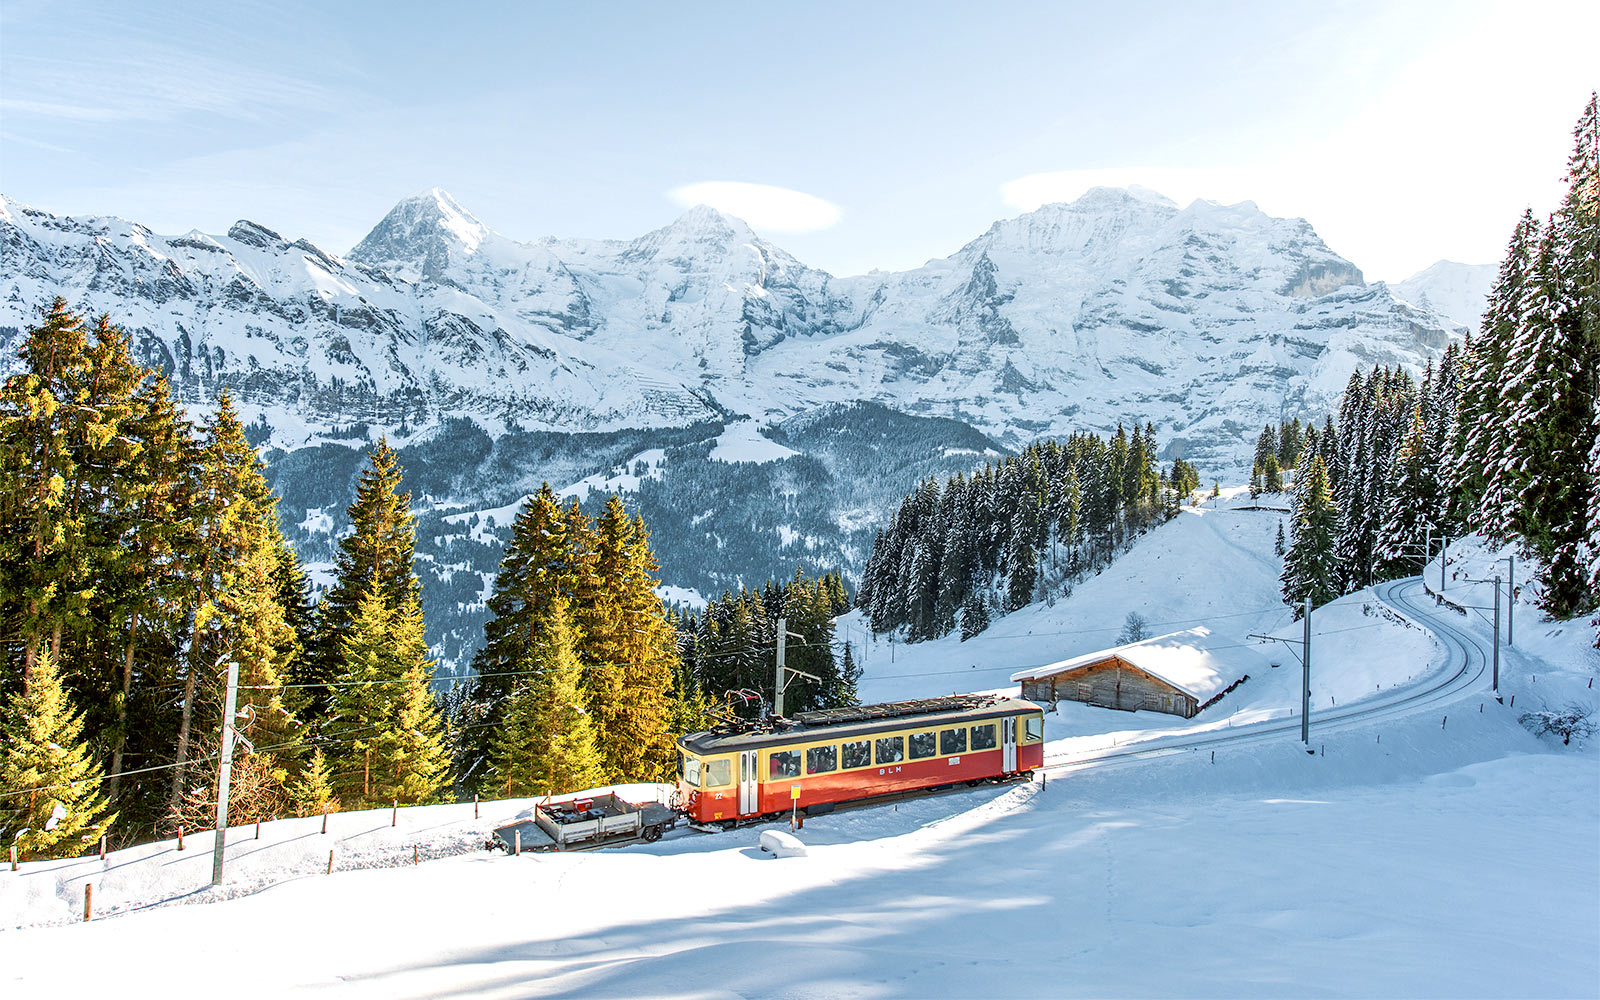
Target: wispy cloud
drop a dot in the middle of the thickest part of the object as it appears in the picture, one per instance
(143, 81)
(763, 206)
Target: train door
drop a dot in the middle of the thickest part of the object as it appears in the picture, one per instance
(1008, 745)
(749, 794)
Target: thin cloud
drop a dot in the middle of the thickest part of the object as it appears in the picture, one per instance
(763, 206)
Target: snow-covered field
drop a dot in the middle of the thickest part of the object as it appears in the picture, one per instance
(1439, 850)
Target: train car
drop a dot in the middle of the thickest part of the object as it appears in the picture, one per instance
(817, 759)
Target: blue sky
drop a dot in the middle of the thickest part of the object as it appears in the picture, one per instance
(1404, 132)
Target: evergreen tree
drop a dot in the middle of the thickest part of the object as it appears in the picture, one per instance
(548, 742)
(846, 690)
(1277, 545)
(974, 615)
(312, 793)
(1310, 568)
(51, 803)
(630, 650)
(385, 732)
(1272, 476)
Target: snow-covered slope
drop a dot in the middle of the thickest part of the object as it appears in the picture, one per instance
(1207, 320)
(1457, 292)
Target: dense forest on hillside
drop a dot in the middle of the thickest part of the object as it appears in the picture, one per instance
(1502, 436)
(143, 558)
(1015, 531)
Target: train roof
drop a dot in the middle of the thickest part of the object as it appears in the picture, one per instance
(854, 720)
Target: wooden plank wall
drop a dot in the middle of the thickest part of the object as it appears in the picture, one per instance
(1112, 683)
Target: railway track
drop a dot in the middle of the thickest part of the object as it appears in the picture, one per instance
(1463, 669)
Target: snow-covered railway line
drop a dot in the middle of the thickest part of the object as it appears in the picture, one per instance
(1466, 660)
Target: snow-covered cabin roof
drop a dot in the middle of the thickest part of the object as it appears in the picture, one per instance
(1191, 661)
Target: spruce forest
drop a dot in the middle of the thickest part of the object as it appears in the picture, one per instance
(1015, 532)
(1502, 436)
(143, 553)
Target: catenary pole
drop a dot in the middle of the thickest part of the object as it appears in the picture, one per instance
(777, 696)
(225, 773)
(1305, 682)
(1511, 601)
(1497, 636)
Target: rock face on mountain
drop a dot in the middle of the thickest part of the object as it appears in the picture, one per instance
(1207, 320)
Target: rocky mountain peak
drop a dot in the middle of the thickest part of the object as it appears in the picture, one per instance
(420, 235)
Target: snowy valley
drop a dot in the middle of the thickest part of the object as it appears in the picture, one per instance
(1212, 852)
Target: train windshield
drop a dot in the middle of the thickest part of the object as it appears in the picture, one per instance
(691, 771)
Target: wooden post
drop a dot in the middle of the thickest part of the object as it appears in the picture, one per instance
(366, 776)
(180, 838)
(416, 857)
(102, 847)
(88, 901)
(394, 817)
(258, 829)
(13, 857)
(324, 819)
(474, 805)
(330, 862)
(518, 849)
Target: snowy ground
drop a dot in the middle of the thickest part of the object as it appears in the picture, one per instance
(1434, 848)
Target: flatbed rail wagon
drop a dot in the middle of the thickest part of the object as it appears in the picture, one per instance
(586, 821)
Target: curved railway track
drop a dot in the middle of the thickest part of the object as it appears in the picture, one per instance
(1465, 662)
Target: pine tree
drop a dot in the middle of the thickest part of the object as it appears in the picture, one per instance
(974, 614)
(1310, 568)
(630, 650)
(388, 739)
(846, 691)
(51, 804)
(385, 731)
(42, 537)
(1271, 475)
(1277, 545)
(312, 793)
(548, 743)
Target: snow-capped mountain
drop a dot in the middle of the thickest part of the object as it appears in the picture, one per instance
(1457, 292)
(1207, 320)
(759, 412)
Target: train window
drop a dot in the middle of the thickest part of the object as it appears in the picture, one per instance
(983, 737)
(691, 771)
(891, 749)
(858, 753)
(786, 764)
(717, 774)
(922, 745)
(953, 740)
(1035, 728)
(680, 763)
(822, 759)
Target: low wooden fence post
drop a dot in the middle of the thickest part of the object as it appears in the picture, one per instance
(88, 901)
(330, 862)
(394, 817)
(13, 857)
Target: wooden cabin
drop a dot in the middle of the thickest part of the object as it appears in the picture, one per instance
(1181, 673)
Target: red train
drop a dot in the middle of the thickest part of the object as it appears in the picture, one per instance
(817, 759)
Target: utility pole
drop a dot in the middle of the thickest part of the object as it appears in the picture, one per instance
(1497, 637)
(1305, 682)
(783, 636)
(226, 774)
(1305, 674)
(1444, 551)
